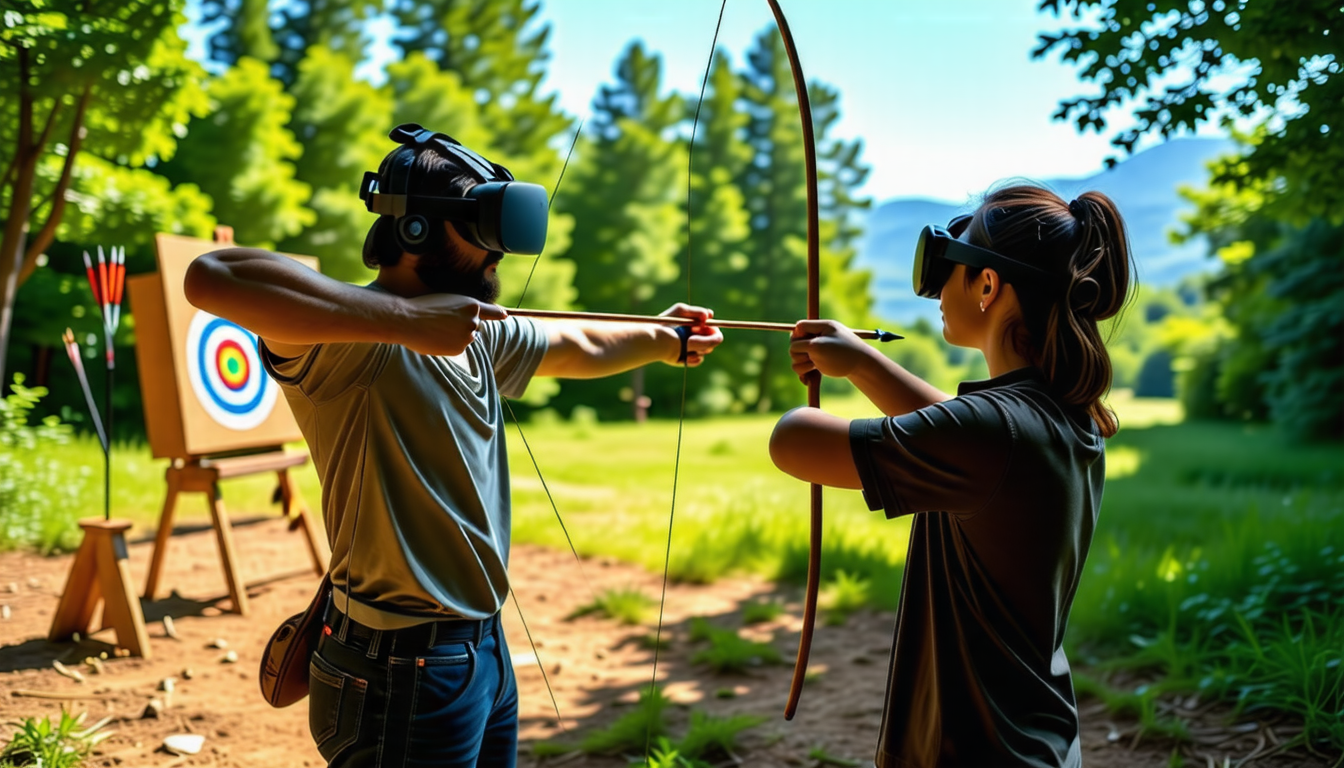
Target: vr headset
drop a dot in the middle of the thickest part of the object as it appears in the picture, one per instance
(939, 251)
(498, 214)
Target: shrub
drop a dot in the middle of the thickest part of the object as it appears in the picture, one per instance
(38, 742)
(39, 495)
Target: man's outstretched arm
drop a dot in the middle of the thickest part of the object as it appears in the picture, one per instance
(293, 307)
(590, 350)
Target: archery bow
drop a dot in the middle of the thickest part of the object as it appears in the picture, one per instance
(813, 378)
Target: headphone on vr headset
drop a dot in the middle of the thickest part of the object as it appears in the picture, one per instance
(496, 214)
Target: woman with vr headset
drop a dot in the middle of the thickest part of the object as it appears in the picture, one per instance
(1004, 480)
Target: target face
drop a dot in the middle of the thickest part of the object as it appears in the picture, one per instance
(224, 366)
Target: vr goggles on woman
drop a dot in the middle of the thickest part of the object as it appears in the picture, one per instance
(939, 251)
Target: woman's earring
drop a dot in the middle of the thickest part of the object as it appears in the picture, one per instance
(982, 306)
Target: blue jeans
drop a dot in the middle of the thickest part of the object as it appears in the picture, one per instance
(434, 695)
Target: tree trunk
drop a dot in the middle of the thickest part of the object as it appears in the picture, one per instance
(16, 225)
(47, 234)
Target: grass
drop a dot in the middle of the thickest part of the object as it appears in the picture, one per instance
(1215, 565)
(64, 744)
(847, 594)
(138, 491)
(627, 606)
(707, 736)
(761, 611)
(729, 652)
(629, 733)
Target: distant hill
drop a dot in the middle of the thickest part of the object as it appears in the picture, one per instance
(1143, 186)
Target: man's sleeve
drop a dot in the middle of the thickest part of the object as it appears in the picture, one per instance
(950, 456)
(326, 371)
(516, 345)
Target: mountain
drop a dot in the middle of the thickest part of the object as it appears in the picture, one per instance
(1143, 186)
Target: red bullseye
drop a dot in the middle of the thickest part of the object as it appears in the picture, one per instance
(231, 363)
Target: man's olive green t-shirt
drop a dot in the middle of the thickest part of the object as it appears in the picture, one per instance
(1004, 482)
(415, 479)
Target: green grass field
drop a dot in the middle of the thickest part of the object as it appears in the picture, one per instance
(1218, 562)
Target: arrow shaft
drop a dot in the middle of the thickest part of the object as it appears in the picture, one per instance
(612, 317)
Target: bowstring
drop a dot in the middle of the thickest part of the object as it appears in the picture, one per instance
(573, 550)
(573, 143)
(685, 378)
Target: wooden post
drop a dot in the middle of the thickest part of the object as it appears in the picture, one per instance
(100, 573)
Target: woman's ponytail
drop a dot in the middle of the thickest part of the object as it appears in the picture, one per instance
(1083, 241)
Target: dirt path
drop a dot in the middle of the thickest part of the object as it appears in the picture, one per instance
(596, 666)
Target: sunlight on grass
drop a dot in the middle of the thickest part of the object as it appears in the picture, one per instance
(1122, 461)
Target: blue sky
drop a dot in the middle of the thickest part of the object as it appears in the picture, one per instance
(943, 92)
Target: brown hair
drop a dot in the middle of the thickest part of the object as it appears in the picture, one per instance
(1084, 242)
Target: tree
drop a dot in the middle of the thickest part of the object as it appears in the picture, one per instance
(342, 124)
(499, 53)
(242, 155)
(1181, 63)
(845, 291)
(112, 84)
(282, 38)
(624, 193)
(714, 255)
(422, 93)
(245, 32)
(774, 186)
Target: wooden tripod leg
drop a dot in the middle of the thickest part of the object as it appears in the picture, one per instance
(80, 596)
(313, 532)
(224, 535)
(165, 533)
(121, 607)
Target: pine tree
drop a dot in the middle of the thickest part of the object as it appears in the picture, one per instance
(625, 193)
(774, 185)
(342, 124)
(499, 54)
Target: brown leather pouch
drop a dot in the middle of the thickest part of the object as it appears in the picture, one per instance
(284, 663)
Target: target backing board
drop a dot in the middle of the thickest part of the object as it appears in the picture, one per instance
(204, 389)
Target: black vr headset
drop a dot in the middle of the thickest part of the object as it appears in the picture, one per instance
(498, 214)
(939, 251)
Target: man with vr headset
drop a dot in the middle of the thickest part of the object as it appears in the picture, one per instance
(396, 386)
(1003, 480)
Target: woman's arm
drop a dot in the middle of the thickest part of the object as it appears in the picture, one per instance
(813, 445)
(591, 350)
(293, 307)
(832, 349)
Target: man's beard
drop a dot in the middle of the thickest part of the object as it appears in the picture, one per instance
(445, 272)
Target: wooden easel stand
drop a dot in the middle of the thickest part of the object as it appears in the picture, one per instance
(202, 475)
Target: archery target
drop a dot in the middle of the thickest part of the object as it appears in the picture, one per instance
(224, 365)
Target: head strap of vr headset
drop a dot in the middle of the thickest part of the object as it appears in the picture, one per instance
(396, 170)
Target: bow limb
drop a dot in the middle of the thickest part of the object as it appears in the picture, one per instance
(814, 378)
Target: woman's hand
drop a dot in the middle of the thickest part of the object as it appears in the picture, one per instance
(828, 347)
(445, 323)
(703, 339)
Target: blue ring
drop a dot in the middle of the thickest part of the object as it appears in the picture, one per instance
(238, 410)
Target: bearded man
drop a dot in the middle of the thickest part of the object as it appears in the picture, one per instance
(396, 386)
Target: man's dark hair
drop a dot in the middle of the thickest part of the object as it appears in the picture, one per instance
(432, 173)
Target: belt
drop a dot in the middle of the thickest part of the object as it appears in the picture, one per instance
(406, 639)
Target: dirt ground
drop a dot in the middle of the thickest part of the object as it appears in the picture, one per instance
(596, 667)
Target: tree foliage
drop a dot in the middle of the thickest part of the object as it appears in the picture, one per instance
(1176, 64)
(242, 154)
(112, 82)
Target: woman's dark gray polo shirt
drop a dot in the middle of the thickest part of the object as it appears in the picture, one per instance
(1005, 483)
